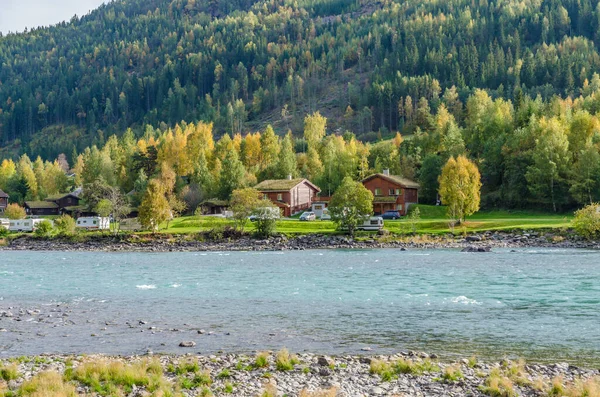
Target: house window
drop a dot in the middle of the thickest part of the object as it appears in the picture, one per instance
(377, 191)
(279, 197)
(398, 192)
(399, 207)
(265, 197)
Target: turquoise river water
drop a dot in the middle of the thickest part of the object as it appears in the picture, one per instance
(535, 303)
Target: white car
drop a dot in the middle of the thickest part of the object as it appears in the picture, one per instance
(308, 216)
(325, 216)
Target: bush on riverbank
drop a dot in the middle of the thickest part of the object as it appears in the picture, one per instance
(587, 221)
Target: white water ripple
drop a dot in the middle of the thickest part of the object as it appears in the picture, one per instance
(146, 286)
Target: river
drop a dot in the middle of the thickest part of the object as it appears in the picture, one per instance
(539, 304)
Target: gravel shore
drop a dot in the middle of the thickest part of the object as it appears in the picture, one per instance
(481, 242)
(309, 375)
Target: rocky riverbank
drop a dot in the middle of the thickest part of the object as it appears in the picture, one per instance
(271, 374)
(482, 242)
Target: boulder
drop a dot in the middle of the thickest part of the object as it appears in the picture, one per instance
(187, 344)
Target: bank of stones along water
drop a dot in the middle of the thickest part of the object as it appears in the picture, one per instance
(270, 374)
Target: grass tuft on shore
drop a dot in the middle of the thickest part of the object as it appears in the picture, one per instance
(9, 372)
(261, 360)
(284, 361)
(498, 385)
(47, 384)
(452, 374)
(269, 391)
(107, 377)
(390, 370)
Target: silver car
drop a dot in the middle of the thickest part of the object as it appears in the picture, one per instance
(308, 216)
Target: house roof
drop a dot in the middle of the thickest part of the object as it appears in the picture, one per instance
(2, 194)
(41, 204)
(215, 203)
(283, 185)
(404, 182)
(55, 197)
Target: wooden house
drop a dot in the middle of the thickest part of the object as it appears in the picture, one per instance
(59, 204)
(3, 201)
(391, 192)
(291, 195)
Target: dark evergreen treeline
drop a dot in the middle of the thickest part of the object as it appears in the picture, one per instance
(238, 62)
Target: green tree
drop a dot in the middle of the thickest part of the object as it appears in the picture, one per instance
(351, 205)
(243, 203)
(103, 208)
(287, 163)
(428, 178)
(232, 175)
(546, 177)
(460, 187)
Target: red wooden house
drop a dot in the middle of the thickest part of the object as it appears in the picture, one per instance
(291, 195)
(391, 192)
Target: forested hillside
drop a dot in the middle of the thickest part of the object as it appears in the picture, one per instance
(512, 84)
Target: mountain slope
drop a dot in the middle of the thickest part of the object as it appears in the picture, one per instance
(239, 62)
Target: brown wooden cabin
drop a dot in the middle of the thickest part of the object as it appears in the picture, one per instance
(291, 195)
(391, 192)
(55, 205)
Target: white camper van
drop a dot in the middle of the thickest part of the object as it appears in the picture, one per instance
(25, 225)
(374, 223)
(93, 223)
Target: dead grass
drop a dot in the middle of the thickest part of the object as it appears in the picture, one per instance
(47, 384)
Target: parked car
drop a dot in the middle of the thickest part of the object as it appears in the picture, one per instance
(308, 216)
(325, 216)
(391, 215)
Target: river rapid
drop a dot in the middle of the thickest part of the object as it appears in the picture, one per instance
(539, 304)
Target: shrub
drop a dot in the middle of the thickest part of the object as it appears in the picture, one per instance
(65, 225)
(266, 215)
(3, 232)
(15, 211)
(587, 221)
(228, 388)
(44, 229)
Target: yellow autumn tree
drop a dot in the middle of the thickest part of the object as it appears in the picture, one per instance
(460, 186)
(154, 208)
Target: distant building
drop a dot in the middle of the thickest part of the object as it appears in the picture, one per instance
(214, 207)
(66, 203)
(291, 195)
(391, 192)
(3, 201)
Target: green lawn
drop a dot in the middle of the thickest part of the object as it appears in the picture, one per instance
(433, 221)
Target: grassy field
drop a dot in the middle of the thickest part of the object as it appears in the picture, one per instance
(433, 221)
